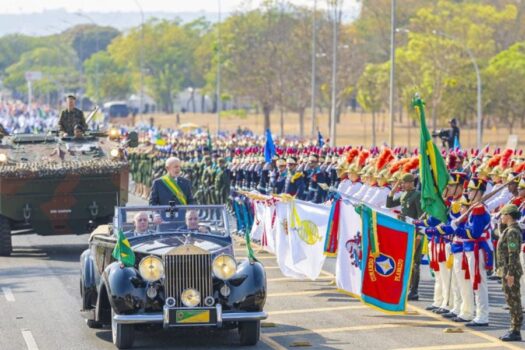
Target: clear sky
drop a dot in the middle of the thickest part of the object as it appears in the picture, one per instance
(27, 6)
(31, 6)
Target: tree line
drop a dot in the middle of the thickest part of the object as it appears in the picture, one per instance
(265, 58)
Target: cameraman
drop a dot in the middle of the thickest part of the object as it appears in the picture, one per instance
(448, 136)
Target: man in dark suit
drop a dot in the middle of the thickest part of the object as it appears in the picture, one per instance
(172, 186)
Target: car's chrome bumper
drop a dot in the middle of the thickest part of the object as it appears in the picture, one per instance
(160, 317)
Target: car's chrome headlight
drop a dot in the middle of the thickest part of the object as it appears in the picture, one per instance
(190, 297)
(3, 157)
(224, 267)
(151, 268)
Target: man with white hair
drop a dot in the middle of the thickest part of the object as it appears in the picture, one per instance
(140, 220)
(171, 187)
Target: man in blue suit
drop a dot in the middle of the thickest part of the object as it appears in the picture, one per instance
(171, 187)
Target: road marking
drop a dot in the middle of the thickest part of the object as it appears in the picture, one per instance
(308, 292)
(454, 346)
(333, 330)
(467, 329)
(272, 343)
(414, 323)
(300, 311)
(30, 341)
(8, 294)
(290, 279)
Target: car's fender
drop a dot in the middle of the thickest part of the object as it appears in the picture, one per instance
(126, 290)
(247, 287)
(88, 280)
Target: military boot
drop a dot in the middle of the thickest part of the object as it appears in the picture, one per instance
(511, 336)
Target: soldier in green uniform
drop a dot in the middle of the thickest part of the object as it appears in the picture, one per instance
(222, 182)
(510, 270)
(70, 117)
(410, 202)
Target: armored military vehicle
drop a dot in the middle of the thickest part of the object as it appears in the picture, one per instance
(61, 185)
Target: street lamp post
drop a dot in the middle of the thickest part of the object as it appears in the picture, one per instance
(392, 72)
(218, 92)
(334, 68)
(141, 108)
(478, 81)
(314, 62)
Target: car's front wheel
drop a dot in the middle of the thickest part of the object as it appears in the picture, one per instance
(250, 331)
(123, 334)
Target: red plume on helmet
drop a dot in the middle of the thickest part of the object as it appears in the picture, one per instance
(363, 157)
(494, 161)
(452, 161)
(506, 158)
(384, 158)
(412, 164)
(519, 168)
(351, 155)
(398, 165)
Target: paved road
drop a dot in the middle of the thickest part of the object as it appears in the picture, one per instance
(40, 304)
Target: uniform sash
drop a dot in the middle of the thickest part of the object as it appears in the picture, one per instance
(175, 189)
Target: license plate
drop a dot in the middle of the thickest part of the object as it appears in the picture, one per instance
(192, 316)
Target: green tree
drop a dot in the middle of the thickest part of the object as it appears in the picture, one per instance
(105, 78)
(505, 91)
(87, 39)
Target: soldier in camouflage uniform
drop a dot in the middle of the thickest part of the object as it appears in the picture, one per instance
(70, 117)
(510, 270)
(410, 202)
(222, 182)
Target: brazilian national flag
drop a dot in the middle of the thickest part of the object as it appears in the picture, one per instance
(123, 251)
(433, 172)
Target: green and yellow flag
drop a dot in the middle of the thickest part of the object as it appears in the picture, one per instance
(123, 251)
(433, 172)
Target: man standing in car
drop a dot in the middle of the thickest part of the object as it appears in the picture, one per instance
(171, 187)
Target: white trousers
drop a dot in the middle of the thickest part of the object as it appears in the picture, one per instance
(438, 283)
(464, 286)
(481, 295)
(449, 296)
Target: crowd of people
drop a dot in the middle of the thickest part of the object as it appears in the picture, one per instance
(479, 240)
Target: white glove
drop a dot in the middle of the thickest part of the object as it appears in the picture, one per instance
(454, 224)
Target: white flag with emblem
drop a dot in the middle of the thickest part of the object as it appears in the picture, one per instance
(270, 220)
(348, 264)
(282, 243)
(258, 220)
(307, 223)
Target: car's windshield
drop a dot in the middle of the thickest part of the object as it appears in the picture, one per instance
(136, 221)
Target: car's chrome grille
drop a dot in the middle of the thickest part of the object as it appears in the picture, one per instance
(188, 271)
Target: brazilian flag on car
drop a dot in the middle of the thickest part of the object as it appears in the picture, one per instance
(123, 251)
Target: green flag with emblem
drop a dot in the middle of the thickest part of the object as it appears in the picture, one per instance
(433, 172)
(123, 251)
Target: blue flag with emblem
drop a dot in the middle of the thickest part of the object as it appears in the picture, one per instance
(320, 139)
(269, 147)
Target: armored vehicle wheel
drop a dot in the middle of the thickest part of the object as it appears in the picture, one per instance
(123, 334)
(6, 246)
(250, 332)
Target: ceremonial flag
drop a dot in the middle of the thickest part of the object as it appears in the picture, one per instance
(269, 147)
(348, 273)
(270, 218)
(258, 220)
(122, 251)
(457, 145)
(282, 243)
(332, 231)
(432, 170)
(320, 139)
(306, 226)
(388, 250)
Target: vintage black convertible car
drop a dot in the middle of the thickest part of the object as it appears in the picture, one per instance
(185, 274)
